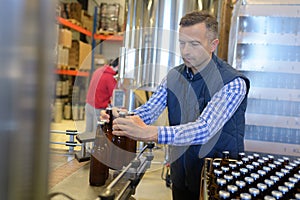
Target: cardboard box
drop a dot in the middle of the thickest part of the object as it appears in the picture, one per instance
(62, 56)
(86, 20)
(71, 11)
(80, 55)
(65, 38)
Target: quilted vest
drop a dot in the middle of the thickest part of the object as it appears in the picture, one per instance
(188, 95)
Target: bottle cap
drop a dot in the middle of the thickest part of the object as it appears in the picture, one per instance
(269, 182)
(245, 196)
(293, 180)
(297, 176)
(261, 161)
(274, 178)
(122, 114)
(232, 188)
(244, 171)
(221, 181)
(251, 157)
(228, 177)
(235, 174)
(272, 166)
(225, 154)
(216, 164)
(279, 174)
(267, 169)
(255, 176)
(249, 180)
(224, 194)
(285, 171)
(232, 166)
(283, 189)
(130, 113)
(255, 164)
(225, 169)
(218, 172)
(277, 194)
(288, 167)
(262, 186)
(108, 108)
(254, 191)
(240, 184)
(271, 157)
(101, 122)
(250, 167)
(268, 197)
(256, 155)
(289, 185)
(239, 163)
(261, 172)
(241, 155)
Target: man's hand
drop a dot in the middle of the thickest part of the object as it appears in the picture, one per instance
(115, 110)
(133, 127)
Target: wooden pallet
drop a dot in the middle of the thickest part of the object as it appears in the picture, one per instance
(62, 67)
(74, 21)
(106, 32)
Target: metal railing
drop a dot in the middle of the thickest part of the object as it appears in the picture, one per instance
(71, 143)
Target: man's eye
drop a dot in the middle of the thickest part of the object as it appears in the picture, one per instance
(195, 43)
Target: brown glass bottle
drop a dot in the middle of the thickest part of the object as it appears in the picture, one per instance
(130, 143)
(119, 153)
(120, 141)
(109, 123)
(98, 170)
(225, 158)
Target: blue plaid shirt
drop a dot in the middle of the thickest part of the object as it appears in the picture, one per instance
(217, 112)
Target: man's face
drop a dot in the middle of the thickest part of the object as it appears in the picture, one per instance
(195, 47)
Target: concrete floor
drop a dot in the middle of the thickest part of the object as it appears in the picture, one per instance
(69, 177)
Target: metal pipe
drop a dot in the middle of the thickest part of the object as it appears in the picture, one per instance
(66, 143)
(27, 38)
(64, 132)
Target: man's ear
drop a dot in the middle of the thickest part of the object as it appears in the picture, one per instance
(214, 44)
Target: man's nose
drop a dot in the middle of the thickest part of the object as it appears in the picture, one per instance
(186, 49)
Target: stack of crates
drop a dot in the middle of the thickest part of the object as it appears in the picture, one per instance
(109, 18)
(80, 55)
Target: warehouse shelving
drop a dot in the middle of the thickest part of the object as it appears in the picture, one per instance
(73, 26)
(80, 29)
(71, 72)
(101, 37)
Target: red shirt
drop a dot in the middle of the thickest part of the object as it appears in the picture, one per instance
(101, 87)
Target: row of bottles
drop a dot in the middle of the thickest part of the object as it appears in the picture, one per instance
(273, 79)
(254, 177)
(274, 107)
(272, 134)
(269, 25)
(109, 151)
(270, 52)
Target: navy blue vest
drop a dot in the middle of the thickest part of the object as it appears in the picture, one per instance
(188, 95)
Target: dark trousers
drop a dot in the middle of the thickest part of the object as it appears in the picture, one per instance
(184, 194)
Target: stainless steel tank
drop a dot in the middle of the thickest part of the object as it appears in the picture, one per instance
(151, 41)
(26, 56)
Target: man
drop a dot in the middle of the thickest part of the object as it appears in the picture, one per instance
(99, 93)
(206, 100)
